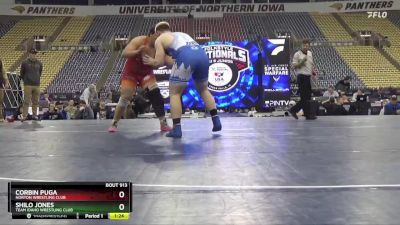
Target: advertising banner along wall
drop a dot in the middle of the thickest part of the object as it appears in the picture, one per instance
(196, 10)
(233, 79)
(276, 74)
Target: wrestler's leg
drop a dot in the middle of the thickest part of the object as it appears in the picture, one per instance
(128, 89)
(157, 101)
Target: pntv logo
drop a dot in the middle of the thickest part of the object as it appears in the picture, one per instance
(273, 103)
(377, 14)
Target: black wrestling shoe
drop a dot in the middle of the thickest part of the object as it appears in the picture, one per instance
(293, 114)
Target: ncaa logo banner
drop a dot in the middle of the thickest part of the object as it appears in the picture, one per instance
(226, 63)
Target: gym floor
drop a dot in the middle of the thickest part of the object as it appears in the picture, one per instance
(334, 170)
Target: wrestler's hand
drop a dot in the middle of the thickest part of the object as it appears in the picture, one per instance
(140, 49)
(148, 60)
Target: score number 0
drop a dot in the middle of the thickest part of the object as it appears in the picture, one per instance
(121, 195)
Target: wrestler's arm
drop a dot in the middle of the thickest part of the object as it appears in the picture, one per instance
(159, 59)
(134, 48)
(169, 61)
(160, 54)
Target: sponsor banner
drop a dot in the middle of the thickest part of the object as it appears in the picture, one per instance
(163, 71)
(162, 77)
(276, 76)
(226, 63)
(214, 8)
(233, 79)
(164, 88)
(276, 103)
(46, 10)
(198, 10)
(366, 6)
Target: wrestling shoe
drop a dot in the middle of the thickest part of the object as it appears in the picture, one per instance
(176, 132)
(293, 114)
(113, 128)
(164, 127)
(217, 123)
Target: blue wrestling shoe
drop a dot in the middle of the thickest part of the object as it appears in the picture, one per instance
(217, 123)
(176, 132)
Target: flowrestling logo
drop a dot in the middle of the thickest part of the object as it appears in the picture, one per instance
(226, 63)
(279, 46)
(380, 15)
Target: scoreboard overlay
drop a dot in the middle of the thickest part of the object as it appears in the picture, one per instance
(70, 200)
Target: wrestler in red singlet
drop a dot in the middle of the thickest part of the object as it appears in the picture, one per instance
(136, 73)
